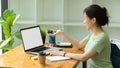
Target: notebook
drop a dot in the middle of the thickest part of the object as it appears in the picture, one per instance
(56, 58)
(32, 40)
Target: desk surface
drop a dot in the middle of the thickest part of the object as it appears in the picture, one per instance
(17, 58)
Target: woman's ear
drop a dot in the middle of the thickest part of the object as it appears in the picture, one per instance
(93, 20)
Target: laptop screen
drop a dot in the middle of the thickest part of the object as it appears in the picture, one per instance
(31, 37)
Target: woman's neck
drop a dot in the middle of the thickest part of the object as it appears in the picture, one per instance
(97, 30)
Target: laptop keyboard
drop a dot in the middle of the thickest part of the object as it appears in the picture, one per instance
(40, 49)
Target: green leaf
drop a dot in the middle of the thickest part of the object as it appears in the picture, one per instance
(1, 20)
(43, 33)
(6, 14)
(11, 42)
(16, 18)
(18, 35)
(12, 13)
(10, 20)
(3, 43)
(6, 31)
(6, 48)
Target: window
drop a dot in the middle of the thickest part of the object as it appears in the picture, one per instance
(0, 28)
(3, 6)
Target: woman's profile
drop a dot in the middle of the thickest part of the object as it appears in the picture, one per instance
(96, 44)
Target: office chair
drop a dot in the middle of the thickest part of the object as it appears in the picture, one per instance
(115, 54)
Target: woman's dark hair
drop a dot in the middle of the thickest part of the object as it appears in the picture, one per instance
(100, 13)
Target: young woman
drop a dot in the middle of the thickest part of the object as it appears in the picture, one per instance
(96, 44)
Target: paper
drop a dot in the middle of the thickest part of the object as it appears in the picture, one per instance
(56, 58)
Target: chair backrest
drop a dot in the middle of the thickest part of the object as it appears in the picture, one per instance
(115, 55)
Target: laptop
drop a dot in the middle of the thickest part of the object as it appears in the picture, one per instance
(32, 40)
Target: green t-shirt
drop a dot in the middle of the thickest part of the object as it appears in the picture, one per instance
(101, 45)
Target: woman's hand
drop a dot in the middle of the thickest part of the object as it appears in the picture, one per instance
(56, 32)
(56, 52)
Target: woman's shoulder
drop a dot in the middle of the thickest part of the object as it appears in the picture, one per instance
(102, 36)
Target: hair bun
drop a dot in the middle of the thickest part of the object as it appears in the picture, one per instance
(104, 10)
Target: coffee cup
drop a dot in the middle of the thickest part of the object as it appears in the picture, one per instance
(41, 58)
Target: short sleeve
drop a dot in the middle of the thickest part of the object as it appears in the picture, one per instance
(100, 43)
(86, 39)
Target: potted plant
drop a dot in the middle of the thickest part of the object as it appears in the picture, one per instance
(43, 33)
(8, 19)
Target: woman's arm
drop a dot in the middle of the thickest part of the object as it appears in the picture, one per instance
(82, 57)
(78, 44)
